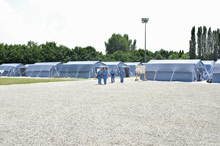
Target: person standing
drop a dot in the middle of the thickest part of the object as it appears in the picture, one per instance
(112, 75)
(105, 75)
(122, 74)
(99, 76)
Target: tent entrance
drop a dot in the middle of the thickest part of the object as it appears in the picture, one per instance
(101, 67)
(1, 72)
(127, 71)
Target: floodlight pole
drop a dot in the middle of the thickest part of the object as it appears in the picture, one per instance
(145, 20)
(145, 44)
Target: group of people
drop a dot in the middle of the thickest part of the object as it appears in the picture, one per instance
(103, 74)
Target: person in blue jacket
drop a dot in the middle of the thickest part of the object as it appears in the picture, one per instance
(105, 75)
(99, 76)
(112, 75)
(122, 73)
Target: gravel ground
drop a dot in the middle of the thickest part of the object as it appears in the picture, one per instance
(134, 113)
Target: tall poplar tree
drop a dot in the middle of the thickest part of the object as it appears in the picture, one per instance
(218, 40)
(216, 47)
(199, 42)
(204, 43)
(192, 43)
(210, 45)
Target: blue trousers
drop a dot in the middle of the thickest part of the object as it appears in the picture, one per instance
(105, 79)
(112, 79)
(99, 80)
(122, 79)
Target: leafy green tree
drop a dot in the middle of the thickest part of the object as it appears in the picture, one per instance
(158, 56)
(185, 56)
(64, 54)
(173, 56)
(86, 54)
(117, 42)
(14, 53)
(48, 52)
(2, 54)
(32, 53)
(133, 45)
(138, 55)
(163, 53)
(180, 53)
(120, 56)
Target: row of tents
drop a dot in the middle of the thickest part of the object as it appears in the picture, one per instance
(73, 69)
(157, 70)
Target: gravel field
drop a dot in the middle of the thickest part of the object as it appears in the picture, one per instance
(134, 113)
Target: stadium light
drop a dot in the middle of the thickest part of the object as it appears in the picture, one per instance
(145, 20)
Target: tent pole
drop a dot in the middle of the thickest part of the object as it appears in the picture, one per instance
(172, 76)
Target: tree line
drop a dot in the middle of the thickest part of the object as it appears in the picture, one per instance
(118, 48)
(205, 44)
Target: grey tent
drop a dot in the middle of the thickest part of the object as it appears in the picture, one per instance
(209, 64)
(117, 67)
(175, 70)
(216, 72)
(44, 69)
(132, 67)
(9, 70)
(80, 69)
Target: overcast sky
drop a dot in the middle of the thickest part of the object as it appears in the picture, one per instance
(92, 22)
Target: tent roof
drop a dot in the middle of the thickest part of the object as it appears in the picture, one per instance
(6, 68)
(47, 63)
(26, 65)
(103, 66)
(218, 61)
(174, 61)
(125, 66)
(37, 67)
(112, 63)
(133, 63)
(82, 62)
(208, 62)
(13, 64)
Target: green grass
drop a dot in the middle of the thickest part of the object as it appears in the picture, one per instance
(12, 81)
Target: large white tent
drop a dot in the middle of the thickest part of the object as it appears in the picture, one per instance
(216, 72)
(80, 69)
(175, 70)
(43, 69)
(15, 69)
